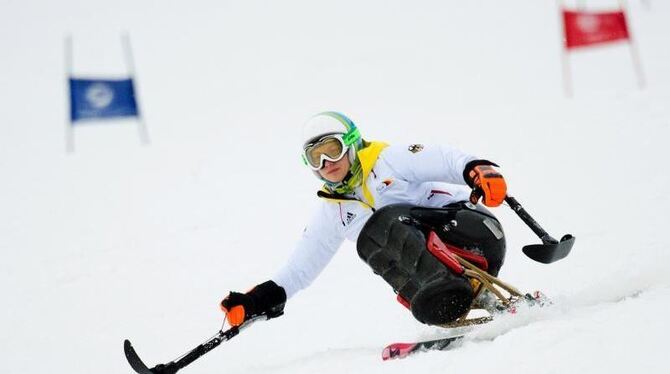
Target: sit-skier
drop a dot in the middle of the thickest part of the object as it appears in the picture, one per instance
(394, 201)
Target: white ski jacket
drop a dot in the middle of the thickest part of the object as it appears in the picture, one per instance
(430, 176)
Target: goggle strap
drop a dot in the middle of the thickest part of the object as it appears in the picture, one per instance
(351, 136)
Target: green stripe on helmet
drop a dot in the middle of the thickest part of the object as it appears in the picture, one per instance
(353, 135)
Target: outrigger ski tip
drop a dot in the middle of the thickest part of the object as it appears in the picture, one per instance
(173, 366)
(550, 250)
(134, 360)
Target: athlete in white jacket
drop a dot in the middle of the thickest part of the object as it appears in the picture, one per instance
(359, 178)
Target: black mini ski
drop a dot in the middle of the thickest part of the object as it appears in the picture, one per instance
(179, 363)
(134, 360)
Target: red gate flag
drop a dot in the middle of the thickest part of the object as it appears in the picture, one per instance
(588, 28)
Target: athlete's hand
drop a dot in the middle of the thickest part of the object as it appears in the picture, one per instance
(487, 183)
(266, 299)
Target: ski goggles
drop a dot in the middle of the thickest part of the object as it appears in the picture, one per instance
(330, 147)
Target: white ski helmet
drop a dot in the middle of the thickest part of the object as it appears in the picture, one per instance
(328, 123)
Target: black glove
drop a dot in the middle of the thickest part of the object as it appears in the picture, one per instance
(266, 299)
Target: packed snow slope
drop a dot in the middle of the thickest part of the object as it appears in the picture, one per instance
(120, 240)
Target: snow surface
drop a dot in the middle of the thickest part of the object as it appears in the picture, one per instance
(120, 240)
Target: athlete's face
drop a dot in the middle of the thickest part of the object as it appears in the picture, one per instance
(335, 171)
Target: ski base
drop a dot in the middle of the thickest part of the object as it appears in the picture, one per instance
(402, 350)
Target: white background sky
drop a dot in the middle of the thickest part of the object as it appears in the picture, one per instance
(120, 240)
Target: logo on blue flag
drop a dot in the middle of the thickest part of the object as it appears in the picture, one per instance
(102, 99)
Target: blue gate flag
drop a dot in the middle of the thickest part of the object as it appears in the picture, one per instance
(102, 98)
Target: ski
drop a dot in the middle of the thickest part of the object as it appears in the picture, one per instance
(402, 350)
